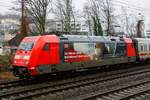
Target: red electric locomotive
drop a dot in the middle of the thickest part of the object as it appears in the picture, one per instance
(40, 55)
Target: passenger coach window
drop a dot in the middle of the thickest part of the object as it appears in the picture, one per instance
(46, 47)
(142, 49)
(145, 47)
(120, 50)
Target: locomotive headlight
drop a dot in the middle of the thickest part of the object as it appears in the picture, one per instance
(32, 68)
(26, 62)
(17, 56)
(15, 61)
(26, 57)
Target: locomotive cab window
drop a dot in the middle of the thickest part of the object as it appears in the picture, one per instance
(26, 46)
(46, 47)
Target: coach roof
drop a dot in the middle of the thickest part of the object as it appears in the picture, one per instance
(84, 38)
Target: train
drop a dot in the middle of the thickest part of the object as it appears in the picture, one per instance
(51, 54)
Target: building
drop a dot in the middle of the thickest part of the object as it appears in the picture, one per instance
(8, 25)
(78, 27)
(147, 27)
(1, 42)
(51, 25)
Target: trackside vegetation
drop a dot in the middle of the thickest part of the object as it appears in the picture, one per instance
(5, 63)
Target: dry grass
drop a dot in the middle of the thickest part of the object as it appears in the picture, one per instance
(6, 76)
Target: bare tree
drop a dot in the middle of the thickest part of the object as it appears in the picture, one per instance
(132, 25)
(23, 20)
(64, 12)
(101, 11)
(37, 11)
(129, 25)
(106, 9)
(92, 12)
(108, 16)
(17, 6)
(87, 15)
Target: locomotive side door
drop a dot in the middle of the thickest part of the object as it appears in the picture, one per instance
(49, 54)
(54, 53)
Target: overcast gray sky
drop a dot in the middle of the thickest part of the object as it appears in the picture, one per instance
(133, 4)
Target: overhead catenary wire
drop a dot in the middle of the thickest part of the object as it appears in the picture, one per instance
(4, 6)
(130, 6)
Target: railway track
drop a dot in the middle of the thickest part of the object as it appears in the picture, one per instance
(108, 86)
(78, 86)
(16, 83)
(8, 84)
(131, 92)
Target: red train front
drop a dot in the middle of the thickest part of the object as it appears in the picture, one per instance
(34, 52)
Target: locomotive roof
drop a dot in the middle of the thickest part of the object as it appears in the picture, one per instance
(31, 38)
(84, 38)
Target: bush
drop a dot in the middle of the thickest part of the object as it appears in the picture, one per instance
(4, 62)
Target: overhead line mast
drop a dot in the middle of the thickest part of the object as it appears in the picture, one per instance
(23, 21)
